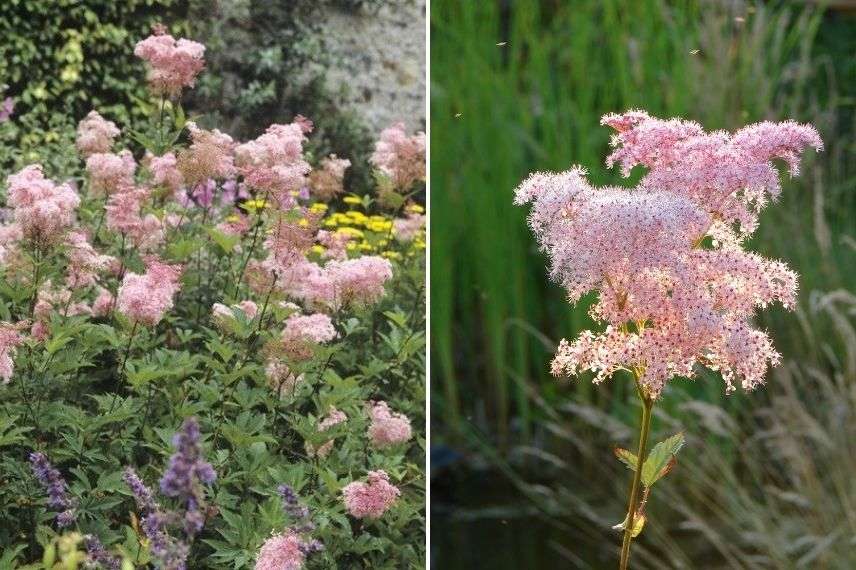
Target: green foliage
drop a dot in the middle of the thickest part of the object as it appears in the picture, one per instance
(520, 87)
(661, 459)
(63, 58)
(270, 59)
(98, 393)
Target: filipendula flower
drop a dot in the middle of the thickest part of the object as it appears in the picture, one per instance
(173, 64)
(387, 428)
(401, 158)
(43, 209)
(670, 302)
(371, 499)
(281, 552)
(326, 181)
(145, 298)
(95, 134)
(303, 332)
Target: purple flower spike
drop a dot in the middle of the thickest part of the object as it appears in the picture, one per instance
(51, 479)
(98, 555)
(186, 465)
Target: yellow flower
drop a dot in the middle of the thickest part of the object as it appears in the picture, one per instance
(255, 204)
(365, 246)
(303, 223)
(379, 227)
(330, 223)
(391, 254)
(318, 208)
(418, 244)
(351, 246)
(352, 200)
(319, 249)
(353, 232)
(415, 208)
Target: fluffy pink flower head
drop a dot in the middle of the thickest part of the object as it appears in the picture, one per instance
(370, 500)
(274, 162)
(387, 427)
(224, 315)
(84, 263)
(287, 243)
(281, 552)
(104, 302)
(400, 157)
(10, 236)
(10, 340)
(670, 302)
(335, 244)
(145, 298)
(358, 282)
(173, 64)
(327, 181)
(334, 417)
(303, 332)
(165, 171)
(731, 176)
(309, 283)
(43, 209)
(124, 214)
(95, 134)
(406, 229)
(210, 155)
(109, 172)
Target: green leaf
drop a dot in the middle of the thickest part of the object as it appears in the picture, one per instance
(661, 459)
(628, 458)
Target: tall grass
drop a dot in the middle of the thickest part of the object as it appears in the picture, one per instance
(769, 488)
(520, 86)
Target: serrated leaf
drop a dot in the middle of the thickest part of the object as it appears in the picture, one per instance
(628, 458)
(661, 459)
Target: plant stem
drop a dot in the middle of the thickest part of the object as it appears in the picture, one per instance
(633, 504)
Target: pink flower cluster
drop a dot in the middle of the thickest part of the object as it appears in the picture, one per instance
(173, 64)
(303, 332)
(51, 301)
(222, 313)
(387, 428)
(281, 552)
(401, 158)
(10, 339)
(109, 173)
(326, 181)
(84, 262)
(370, 500)
(95, 134)
(165, 171)
(43, 209)
(124, 215)
(358, 281)
(406, 229)
(208, 156)
(334, 417)
(145, 298)
(670, 301)
(273, 163)
(340, 283)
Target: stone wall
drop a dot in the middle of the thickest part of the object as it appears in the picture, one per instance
(378, 61)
